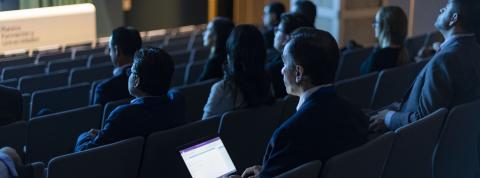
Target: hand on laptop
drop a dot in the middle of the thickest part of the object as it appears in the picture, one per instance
(251, 172)
(377, 122)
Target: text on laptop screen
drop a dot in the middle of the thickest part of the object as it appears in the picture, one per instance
(208, 159)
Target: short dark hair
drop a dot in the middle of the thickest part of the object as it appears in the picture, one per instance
(222, 27)
(308, 9)
(469, 15)
(246, 64)
(291, 21)
(155, 68)
(317, 52)
(127, 39)
(277, 8)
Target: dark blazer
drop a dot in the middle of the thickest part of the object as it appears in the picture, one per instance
(214, 67)
(11, 105)
(325, 125)
(113, 89)
(379, 59)
(274, 69)
(140, 118)
(450, 78)
(268, 36)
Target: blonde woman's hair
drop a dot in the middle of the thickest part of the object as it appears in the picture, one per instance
(393, 26)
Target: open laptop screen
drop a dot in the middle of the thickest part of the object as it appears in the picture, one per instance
(208, 159)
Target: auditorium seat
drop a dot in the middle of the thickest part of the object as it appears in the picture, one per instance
(161, 156)
(22, 70)
(358, 90)
(29, 84)
(117, 160)
(350, 62)
(45, 58)
(201, 54)
(93, 87)
(26, 97)
(16, 61)
(457, 153)
(98, 59)
(60, 99)
(414, 44)
(392, 84)
(181, 57)
(194, 70)
(56, 134)
(411, 154)
(67, 64)
(32, 170)
(246, 133)
(14, 135)
(110, 106)
(88, 52)
(10, 83)
(307, 170)
(366, 161)
(90, 74)
(196, 96)
(178, 78)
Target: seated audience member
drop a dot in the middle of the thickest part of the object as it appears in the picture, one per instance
(152, 109)
(390, 27)
(215, 38)
(450, 78)
(124, 42)
(271, 18)
(245, 83)
(324, 124)
(288, 23)
(9, 161)
(11, 105)
(306, 8)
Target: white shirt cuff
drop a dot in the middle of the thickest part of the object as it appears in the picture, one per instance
(388, 118)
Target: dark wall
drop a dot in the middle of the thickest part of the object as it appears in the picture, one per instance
(156, 14)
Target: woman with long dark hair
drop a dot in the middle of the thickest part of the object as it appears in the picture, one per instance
(245, 83)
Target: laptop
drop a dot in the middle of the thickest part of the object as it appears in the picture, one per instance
(207, 158)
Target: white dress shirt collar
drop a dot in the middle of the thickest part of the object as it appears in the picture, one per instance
(308, 93)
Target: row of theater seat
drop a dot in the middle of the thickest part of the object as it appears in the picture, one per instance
(441, 145)
(54, 135)
(428, 148)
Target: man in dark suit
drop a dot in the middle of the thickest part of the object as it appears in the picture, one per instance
(271, 18)
(324, 124)
(152, 110)
(124, 42)
(11, 105)
(451, 77)
(288, 23)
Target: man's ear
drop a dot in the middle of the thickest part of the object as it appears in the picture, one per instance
(453, 19)
(136, 82)
(298, 74)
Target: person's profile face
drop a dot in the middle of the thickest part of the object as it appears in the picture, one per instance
(132, 80)
(443, 19)
(376, 25)
(208, 36)
(112, 52)
(280, 38)
(289, 73)
(268, 17)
